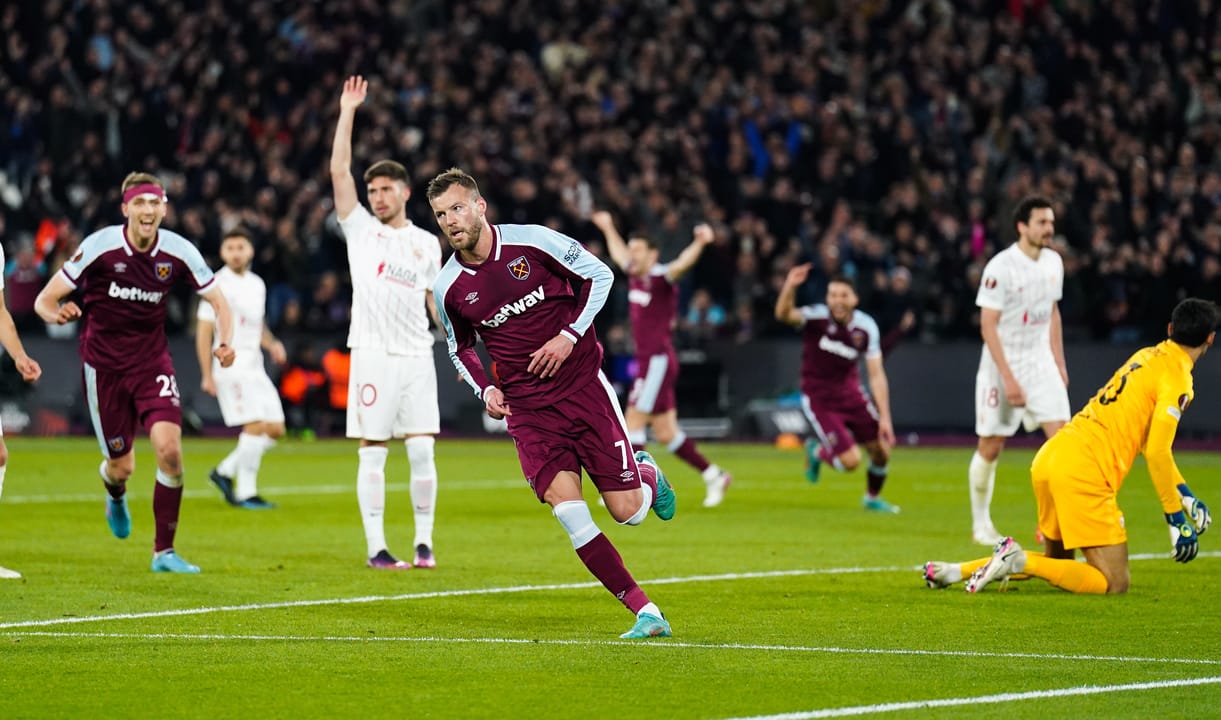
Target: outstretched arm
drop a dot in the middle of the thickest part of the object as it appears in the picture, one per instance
(702, 237)
(615, 245)
(786, 302)
(344, 187)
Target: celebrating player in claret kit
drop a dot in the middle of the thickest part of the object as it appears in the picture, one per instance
(246, 395)
(836, 335)
(392, 388)
(512, 287)
(124, 274)
(653, 301)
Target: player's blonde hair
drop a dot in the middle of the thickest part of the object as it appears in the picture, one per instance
(140, 178)
(451, 177)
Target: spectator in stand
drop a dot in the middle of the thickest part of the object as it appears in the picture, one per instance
(782, 117)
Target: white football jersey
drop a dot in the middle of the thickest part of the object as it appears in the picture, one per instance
(392, 269)
(247, 297)
(1025, 291)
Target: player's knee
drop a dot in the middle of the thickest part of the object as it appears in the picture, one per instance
(121, 469)
(851, 460)
(274, 431)
(990, 448)
(169, 459)
(420, 450)
(3, 454)
(624, 506)
(577, 521)
(1117, 586)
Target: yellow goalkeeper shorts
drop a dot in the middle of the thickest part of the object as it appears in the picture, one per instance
(1077, 498)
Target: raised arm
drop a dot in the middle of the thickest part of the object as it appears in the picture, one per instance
(786, 302)
(615, 246)
(343, 185)
(702, 237)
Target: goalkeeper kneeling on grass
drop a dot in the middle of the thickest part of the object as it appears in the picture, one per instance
(1078, 472)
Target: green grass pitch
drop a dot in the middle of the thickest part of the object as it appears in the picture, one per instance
(787, 601)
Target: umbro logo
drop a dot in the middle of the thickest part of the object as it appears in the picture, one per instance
(120, 267)
(472, 297)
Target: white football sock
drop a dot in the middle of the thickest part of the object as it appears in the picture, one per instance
(982, 475)
(574, 515)
(646, 502)
(423, 486)
(170, 481)
(249, 451)
(650, 608)
(3, 468)
(371, 495)
(228, 466)
(711, 474)
(637, 437)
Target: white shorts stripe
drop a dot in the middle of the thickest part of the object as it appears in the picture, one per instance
(813, 419)
(646, 399)
(95, 415)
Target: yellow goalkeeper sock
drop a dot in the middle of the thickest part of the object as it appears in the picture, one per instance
(971, 566)
(1070, 575)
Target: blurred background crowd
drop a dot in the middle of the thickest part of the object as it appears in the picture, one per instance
(883, 139)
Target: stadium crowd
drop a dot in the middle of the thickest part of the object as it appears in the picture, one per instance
(885, 140)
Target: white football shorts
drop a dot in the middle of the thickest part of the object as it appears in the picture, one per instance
(247, 395)
(391, 395)
(1046, 401)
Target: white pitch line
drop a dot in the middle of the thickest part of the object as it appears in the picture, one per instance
(470, 592)
(672, 644)
(984, 699)
(428, 595)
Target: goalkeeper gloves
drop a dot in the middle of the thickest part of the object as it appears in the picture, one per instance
(1196, 510)
(1182, 537)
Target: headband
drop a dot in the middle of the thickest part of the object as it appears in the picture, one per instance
(144, 189)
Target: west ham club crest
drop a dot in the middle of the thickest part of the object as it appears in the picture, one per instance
(520, 268)
(164, 270)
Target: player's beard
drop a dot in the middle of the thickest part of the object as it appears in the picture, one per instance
(391, 214)
(841, 316)
(470, 237)
(1039, 241)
